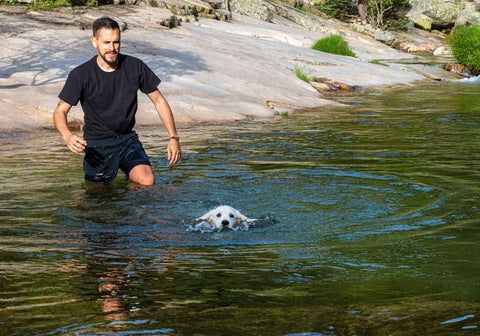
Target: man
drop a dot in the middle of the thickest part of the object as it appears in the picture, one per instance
(107, 87)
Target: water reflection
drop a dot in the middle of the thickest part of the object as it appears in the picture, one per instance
(368, 225)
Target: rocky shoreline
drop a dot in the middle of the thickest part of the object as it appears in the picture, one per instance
(212, 70)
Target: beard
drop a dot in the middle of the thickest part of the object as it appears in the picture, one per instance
(110, 59)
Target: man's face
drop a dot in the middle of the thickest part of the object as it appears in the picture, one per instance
(107, 43)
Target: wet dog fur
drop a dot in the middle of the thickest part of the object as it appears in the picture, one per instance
(224, 217)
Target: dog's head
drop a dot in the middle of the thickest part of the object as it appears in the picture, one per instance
(224, 217)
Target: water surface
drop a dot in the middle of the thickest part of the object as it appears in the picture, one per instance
(369, 225)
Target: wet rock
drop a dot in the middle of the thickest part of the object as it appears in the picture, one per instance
(459, 69)
(328, 85)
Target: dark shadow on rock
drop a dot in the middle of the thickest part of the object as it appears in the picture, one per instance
(166, 63)
(50, 60)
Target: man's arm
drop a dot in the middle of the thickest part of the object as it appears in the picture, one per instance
(75, 143)
(164, 111)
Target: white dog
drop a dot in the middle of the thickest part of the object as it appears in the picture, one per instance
(224, 217)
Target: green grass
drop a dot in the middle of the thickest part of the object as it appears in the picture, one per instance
(378, 62)
(465, 44)
(50, 4)
(300, 74)
(334, 44)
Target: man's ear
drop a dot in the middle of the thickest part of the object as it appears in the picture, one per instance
(94, 42)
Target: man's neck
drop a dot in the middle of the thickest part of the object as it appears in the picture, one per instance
(107, 67)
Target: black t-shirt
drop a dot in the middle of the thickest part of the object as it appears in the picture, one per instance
(109, 99)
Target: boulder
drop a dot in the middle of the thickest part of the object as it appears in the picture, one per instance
(468, 16)
(191, 9)
(443, 13)
(254, 8)
(385, 37)
(420, 20)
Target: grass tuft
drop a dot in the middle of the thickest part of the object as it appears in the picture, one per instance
(334, 44)
(378, 62)
(465, 44)
(300, 74)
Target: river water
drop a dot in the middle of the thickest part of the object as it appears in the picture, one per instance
(368, 225)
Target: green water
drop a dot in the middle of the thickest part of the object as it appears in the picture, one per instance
(368, 225)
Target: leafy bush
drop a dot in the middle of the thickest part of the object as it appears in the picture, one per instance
(334, 44)
(465, 44)
(381, 12)
(339, 9)
(51, 4)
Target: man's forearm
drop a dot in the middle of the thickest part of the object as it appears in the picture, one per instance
(164, 112)
(61, 123)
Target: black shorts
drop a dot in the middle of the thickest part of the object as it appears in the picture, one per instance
(104, 157)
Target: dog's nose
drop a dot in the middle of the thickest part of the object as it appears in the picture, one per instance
(225, 222)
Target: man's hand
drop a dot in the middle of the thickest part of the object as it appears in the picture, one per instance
(173, 151)
(75, 143)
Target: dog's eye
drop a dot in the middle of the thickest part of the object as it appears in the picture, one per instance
(231, 216)
(219, 215)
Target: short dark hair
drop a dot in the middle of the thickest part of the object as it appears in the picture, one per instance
(104, 22)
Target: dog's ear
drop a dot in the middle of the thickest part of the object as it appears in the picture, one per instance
(240, 218)
(205, 218)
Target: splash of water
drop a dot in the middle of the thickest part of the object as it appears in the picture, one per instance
(206, 227)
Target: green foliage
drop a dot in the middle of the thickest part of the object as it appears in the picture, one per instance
(382, 12)
(300, 74)
(378, 63)
(465, 44)
(339, 9)
(49, 4)
(9, 2)
(334, 44)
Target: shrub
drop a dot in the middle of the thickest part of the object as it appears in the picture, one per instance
(379, 13)
(465, 44)
(339, 9)
(334, 44)
(382, 12)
